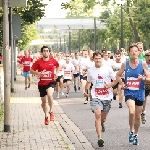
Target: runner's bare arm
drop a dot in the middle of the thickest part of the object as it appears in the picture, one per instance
(35, 72)
(87, 86)
(146, 72)
(145, 67)
(119, 73)
(57, 70)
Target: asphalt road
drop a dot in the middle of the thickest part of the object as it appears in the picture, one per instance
(117, 128)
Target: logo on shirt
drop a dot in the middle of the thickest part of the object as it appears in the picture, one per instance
(100, 81)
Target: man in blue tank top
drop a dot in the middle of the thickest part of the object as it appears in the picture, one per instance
(136, 72)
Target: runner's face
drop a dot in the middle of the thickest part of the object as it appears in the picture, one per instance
(118, 57)
(98, 60)
(85, 54)
(140, 46)
(45, 53)
(148, 57)
(134, 52)
(67, 57)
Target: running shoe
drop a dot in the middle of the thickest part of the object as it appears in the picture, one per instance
(136, 141)
(75, 88)
(46, 121)
(51, 116)
(100, 142)
(62, 93)
(120, 105)
(86, 101)
(114, 97)
(131, 137)
(29, 85)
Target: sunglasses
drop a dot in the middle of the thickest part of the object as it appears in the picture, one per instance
(147, 55)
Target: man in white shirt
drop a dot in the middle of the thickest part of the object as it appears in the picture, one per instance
(68, 72)
(76, 74)
(100, 76)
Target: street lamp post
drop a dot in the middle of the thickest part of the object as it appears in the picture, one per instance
(95, 34)
(122, 34)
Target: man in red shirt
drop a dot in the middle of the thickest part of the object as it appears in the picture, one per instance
(44, 68)
(26, 62)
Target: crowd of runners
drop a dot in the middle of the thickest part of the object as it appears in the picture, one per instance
(100, 76)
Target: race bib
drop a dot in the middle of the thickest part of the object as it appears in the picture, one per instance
(46, 75)
(133, 83)
(26, 63)
(99, 88)
(67, 73)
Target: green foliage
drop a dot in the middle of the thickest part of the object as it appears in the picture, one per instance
(34, 11)
(29, 33)
(136, 25)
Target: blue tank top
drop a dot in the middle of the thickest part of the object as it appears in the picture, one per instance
(148, 67)
(135, 86)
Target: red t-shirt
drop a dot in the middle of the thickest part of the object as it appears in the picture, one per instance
(1, 58)
(47, 67)
(19, 59)
(26, 61)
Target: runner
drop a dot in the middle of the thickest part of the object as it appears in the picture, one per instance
(26, 62)
(68, 72)
(141, 50)
(83, 72)
(147, 90)
(134, 90)
(117, 89)
(106, 60)
(100, 76)
(76, 74)
(59, 80)
(44, 68)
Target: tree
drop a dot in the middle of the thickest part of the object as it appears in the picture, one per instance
(34, 11)
(29, 33)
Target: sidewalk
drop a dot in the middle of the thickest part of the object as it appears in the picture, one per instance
(28, 131)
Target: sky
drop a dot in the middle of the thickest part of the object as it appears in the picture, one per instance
(53, 10)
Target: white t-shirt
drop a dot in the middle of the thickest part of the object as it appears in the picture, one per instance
(98, 77)
(83, 63)
(123, 59)
(107, 62)
(75, 62)
(89, 65)
(61, 63)
(68, 71)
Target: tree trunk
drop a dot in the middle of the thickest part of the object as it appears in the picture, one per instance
(133, 25)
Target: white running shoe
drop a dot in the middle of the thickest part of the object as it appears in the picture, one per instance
(67, 95)
(57, 96)
(62, 93)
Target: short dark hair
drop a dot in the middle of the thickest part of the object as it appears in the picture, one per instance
(103, 50)
(118, 53)
(96, 54)
(133, 45)
(45, 47)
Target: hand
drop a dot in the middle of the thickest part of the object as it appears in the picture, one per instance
(64, 66)
(140, 77)
(55, 76)
(107, 85)
(124, 86)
